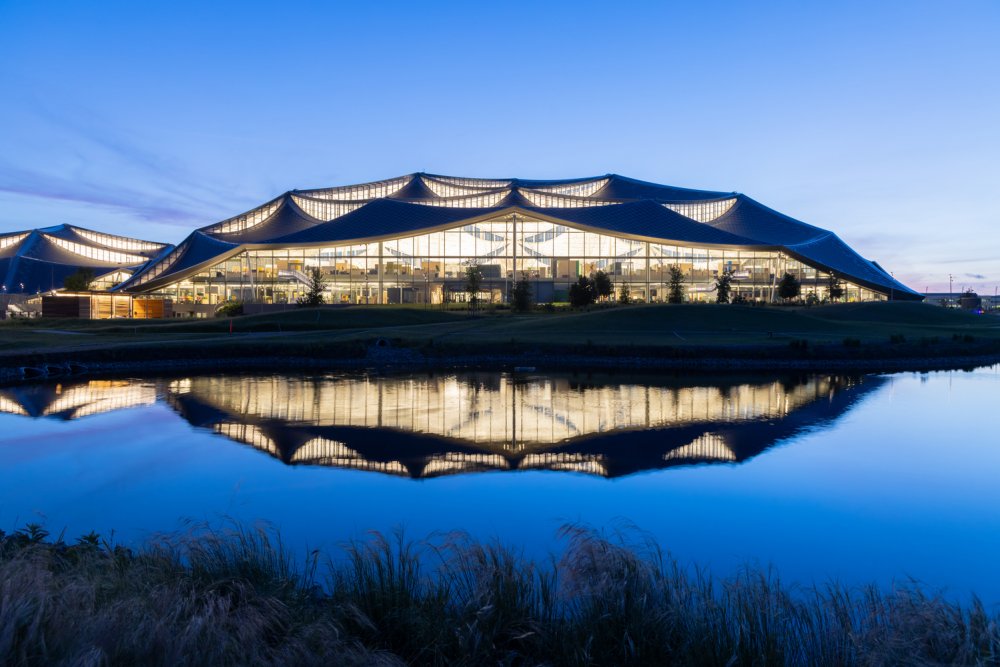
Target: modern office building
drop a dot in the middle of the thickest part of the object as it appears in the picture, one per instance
(410, 240)
(40, 260)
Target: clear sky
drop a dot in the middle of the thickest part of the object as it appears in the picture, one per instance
(878, 120)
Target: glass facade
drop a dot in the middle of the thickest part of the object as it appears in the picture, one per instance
(430, 268)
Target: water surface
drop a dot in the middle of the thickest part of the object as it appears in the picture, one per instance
(858, 478)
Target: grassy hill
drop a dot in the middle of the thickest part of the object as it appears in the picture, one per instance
(643, 329)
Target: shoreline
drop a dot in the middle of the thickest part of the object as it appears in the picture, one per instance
(408, 360)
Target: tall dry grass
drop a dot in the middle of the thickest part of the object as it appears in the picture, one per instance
(236, 596)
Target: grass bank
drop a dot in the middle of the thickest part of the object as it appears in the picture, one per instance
(236, 597)
(844, 332)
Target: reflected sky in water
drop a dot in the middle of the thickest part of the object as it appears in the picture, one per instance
(857, 478)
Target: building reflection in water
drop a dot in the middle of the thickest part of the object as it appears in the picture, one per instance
(431, 425)
(76, 399)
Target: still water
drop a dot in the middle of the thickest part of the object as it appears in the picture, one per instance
(847, 477)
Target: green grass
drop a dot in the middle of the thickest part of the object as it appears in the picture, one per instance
(643, 328)
(237, 597)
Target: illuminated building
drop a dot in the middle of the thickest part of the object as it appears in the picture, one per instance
(411, 239)
(40, 260)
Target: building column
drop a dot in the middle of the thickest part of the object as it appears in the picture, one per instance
(381, 273)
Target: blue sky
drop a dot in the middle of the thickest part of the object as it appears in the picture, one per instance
(880, 121)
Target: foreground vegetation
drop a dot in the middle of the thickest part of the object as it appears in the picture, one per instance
(235, 597)
(842, 331)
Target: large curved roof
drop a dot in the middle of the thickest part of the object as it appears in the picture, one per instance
(415, 203)
(39, 260)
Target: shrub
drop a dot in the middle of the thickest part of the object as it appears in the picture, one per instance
(852, 342)
(314, 292)
(789, 287)
(602, 285)
(624, 295)
(230, 308)
(582, 293)
(675, 289)
(80, 280)
(473, 283)
(723, 286)
(521, 297)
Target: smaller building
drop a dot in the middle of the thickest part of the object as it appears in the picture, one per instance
(986, 303)
(38, 261)
(95, 305)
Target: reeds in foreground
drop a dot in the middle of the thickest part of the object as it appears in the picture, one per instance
(235, 596)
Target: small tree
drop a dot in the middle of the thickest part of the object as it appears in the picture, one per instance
(581, 293)
(723, 286)
(473, 283)
(602, 285)
(80, 280)
(314, 293)
(675, 289)
(624, 295)
(789, 287)
(521, 297)
(229, 308)
(835, 287)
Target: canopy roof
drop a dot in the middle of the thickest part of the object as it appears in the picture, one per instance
(420, 202)
(39, 260)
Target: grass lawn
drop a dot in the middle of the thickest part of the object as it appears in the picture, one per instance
(305, 331)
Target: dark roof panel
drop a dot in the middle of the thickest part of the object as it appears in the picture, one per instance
(39, 263)
(756, 221)
(622, 187)
(287, 219)
(639, 212)
(381, 217)
(646, 218)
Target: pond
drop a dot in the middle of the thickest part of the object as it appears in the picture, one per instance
(857, 478)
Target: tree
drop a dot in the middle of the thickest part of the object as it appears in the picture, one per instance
(229, 308)
(521, 297)
(789, 287)
(723, 286)
(581, 293)
(675, 289)
(473, 283)
(602, 285)
(835, 287)
(624, 295)
(314, 294)
(80, 280)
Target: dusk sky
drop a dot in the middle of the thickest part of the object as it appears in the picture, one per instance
(878, 120)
